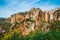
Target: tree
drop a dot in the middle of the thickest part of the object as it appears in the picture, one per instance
(55, 25)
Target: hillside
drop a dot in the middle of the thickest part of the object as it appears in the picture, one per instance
(28, 22)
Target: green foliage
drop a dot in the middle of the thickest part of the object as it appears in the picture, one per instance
(44, 22)
(32, 19)
(55, 25)
(6, 36)
(51, 35)
(0, 37)
(16, 36)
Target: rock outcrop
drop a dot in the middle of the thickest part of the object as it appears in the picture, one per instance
(34, 18)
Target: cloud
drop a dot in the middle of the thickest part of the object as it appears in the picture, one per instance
(14, 6)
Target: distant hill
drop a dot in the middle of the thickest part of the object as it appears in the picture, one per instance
(2, 19)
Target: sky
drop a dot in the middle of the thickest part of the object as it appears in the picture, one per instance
(9, 7)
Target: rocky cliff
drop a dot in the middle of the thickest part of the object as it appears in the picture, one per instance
(29, 21)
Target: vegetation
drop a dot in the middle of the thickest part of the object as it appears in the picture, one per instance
(51, 35)
(36, 35)
(55, 25)
(39, 33)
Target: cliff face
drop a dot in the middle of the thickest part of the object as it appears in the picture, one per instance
(52, 15)
(34, 18)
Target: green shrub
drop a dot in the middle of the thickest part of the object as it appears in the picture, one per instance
(55, 25)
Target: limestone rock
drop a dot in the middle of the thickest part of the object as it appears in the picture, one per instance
(35, 17)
